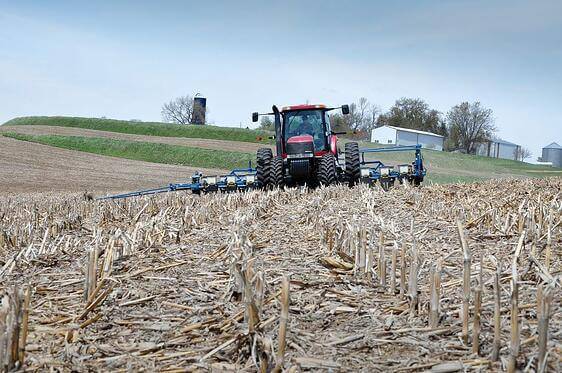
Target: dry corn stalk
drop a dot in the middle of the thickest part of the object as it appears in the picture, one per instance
(477, 310)
(90, 280)
(283, 319)
(514, 344)
(413, 279)
(466, 281)
(382, 263)
(544, 298)
(14, 316)
(403, 271)
(435, 294)
(497, 314)
(393, 269)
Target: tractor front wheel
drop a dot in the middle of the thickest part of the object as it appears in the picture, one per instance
(327, 170)
(263, 166)
(277, 174)
(352, 163)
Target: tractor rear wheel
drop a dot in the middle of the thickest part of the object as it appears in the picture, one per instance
(352, 164)
(277, 174)
(263, 166)
(327, 170)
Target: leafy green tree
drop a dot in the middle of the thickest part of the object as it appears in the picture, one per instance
(339, 124)
(266, 123)
(469, 125)
(413, 113)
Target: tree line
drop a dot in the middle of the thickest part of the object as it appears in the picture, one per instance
(464, 126)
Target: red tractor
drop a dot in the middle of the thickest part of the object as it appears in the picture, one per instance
(307, 151)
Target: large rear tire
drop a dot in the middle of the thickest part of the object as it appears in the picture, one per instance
(327, 170)
(352, 164)
(277, 174)
(263, 166)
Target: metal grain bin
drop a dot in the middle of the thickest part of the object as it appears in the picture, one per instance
(552, 153)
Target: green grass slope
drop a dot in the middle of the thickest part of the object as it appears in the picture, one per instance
(148, 128)
(144, 151)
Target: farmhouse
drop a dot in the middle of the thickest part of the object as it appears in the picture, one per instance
(498, 148)
(390, 135)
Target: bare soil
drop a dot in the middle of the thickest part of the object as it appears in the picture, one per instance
(30, 167)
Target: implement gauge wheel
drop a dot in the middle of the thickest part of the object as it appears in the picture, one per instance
(327, 170)
(387, 184)
(277, 174)
(416, 181)
(352, 165)
(263, 167)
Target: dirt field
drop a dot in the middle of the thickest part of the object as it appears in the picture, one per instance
(374, 280)
(30, 167)
(199, 143)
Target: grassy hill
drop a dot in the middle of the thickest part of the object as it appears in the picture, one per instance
(442, 167)
(148, 128)
(144, 151)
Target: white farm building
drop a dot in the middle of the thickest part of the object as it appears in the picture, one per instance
(498, 148)
(390, 135)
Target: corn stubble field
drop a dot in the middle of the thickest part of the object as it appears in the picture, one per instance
(447, 277)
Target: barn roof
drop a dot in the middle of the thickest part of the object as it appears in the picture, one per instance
(413, 131)
(504, 142)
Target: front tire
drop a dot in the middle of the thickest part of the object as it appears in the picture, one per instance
(327, 170)
(263, 166)
(277, 174)
(352, 163)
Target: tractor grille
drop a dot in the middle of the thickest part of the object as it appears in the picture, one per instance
(299, 168)
(300, 148)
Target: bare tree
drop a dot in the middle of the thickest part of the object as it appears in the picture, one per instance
(180, 110)
(521, 153)
(470, 125)
(362, 115)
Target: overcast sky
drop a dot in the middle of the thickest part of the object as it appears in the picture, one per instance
(124, 59)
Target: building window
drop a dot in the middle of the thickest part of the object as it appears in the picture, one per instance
(390, 141)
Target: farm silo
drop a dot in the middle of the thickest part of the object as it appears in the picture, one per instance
(552, 153)
(199, 110)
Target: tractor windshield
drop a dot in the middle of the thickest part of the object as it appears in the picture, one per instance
(305, 122)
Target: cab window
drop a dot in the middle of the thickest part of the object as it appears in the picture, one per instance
(305, 122)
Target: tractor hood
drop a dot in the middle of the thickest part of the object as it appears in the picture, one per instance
(300, 139)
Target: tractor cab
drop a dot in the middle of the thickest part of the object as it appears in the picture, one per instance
(305, 128)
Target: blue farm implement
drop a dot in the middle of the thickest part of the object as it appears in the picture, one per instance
(307, 153)
(237, 180)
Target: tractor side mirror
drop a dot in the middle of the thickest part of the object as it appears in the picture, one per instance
(255, 116)
(345, 109)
